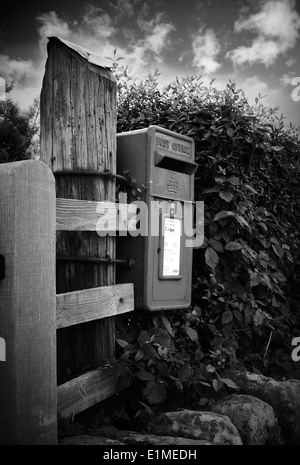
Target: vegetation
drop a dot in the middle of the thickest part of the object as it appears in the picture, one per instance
(245, 301)
(245, 308)
(19, 139)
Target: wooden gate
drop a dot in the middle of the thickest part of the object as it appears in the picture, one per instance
(78, 143)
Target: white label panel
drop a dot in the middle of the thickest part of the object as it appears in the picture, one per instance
(171, 252)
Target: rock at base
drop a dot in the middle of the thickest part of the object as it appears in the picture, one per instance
(253, 418)
(208, 426)
(130, 437)
(87, 440)
(283, 396)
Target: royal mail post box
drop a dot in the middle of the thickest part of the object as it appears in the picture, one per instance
(162, 164)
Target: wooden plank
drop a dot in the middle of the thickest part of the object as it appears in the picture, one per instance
(28, 384)
(90, 388)
(78, 132)
(85, 215)
(77, 307)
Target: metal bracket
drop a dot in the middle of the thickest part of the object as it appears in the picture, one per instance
(2, 267)
(128, 262)
(106, 174)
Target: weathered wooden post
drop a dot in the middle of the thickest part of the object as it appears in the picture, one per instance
(78, 134)
(28, 387)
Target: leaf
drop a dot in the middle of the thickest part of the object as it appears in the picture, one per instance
(122, 343)
(255, 278)
(278, 250)
(242, 221)
(145, 375)
(203, 401)
(230, 132)
(212, 189)
(217, 384)
(138, 356)
(210, 369)
(149, 351)
(178, 384)
(258, 318)
(233, 246)
(234, 180)
(155, 392)
(216, 245)
(143, 337)
(220, 179)
(213, 227)
(161, 337)
(227, 317)
(229, 383)
(226, 195)
(185, 371)
(204, 383)
(167, 325)
(250, 188)
(211, 258)
(192, 333)
(238, 315)
(263, 226)
(223, 214)
(266, 280)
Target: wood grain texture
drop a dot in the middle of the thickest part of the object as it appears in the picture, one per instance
(86, 215)
(93, 304)
(86, 390)
(78, 132)
(28, 384)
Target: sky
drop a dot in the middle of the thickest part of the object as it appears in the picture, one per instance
(255, 43)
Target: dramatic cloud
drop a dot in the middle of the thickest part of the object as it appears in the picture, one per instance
(205, 48)
(92, 31)
(286, 79)
(96, 31)
(277, 27)
(290, 62)
(16, 70)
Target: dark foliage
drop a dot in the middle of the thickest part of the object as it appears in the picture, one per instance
(245, 309)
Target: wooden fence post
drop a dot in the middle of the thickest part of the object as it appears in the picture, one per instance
(28, 388)
(78, 132)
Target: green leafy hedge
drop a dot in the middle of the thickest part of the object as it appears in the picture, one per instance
(245, 308)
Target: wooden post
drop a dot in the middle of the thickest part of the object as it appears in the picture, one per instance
(78, 132)
(28, 387)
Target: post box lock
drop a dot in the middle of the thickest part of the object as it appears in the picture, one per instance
(162, 271)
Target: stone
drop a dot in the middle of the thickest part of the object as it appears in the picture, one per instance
(253, 418)
(131, 437)
(208, 426)
(283, 396)
(86, 440)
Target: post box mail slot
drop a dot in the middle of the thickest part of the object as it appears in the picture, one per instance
(161, 161)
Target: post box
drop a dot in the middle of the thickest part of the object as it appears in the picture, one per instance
(162, 164)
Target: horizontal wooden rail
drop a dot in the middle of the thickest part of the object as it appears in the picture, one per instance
(77, 307)
(85, 215)
(92, 387)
